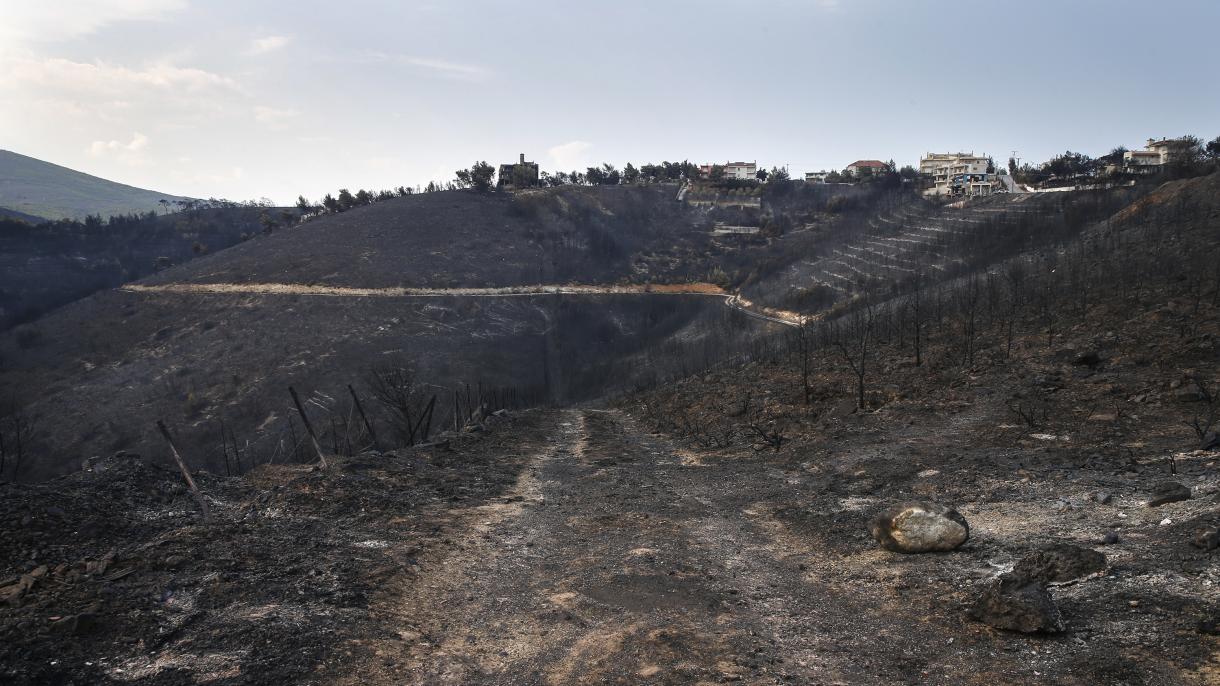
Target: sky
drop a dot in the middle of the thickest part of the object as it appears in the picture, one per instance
(245, 99)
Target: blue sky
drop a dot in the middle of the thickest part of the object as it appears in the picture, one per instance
(250, 99)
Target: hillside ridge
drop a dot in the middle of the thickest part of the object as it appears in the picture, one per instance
(47, 190)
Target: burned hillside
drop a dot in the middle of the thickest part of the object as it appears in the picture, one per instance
(1050, 377)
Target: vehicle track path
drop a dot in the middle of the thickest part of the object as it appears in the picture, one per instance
(622, 558)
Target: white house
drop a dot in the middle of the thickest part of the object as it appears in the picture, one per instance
(734, 170)
(932, 160)
(1154, 155)
(957, 173)
(741, 170)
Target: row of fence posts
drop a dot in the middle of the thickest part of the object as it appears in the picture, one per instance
(467, 402)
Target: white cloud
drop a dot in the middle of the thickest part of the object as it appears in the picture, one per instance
(569, 156)
(127, 153)
(260, 46)
(270, 116)
(32, 21)
(100, 77)
(448, 70)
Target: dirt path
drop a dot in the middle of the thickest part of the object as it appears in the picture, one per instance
(620, 558)
(735, 302)
(405, 292)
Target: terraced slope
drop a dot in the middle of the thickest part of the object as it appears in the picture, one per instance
(936, 242)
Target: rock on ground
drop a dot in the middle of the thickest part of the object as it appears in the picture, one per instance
(1059, 562)
(1207, 539)
(1015, 603)
(920, 527)
(1168, 492)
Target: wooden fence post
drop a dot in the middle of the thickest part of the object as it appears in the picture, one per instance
(308, 427)
(186, 473)
(367, 424)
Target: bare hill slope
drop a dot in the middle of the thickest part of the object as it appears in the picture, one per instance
(103, 369)
(457, 238)
(49, 191)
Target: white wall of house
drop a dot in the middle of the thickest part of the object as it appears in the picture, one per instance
(943, 167)
(741, 171)
(932, 161)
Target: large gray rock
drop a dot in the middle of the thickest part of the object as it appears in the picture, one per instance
(1015, 603)
(920, 527)
(1059, 562)
(1168, 492)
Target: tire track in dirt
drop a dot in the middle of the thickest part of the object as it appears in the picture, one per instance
(609, 562)
(617, 558)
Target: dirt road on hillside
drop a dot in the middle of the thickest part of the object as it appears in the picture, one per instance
(620, 558)
(735, 302)
(409, 292)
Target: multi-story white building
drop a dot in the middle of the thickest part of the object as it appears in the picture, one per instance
(734, 170)
(1154, 155)
(957, 173)
(932, 160)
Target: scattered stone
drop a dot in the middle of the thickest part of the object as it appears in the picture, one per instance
(1103, 417)
(1016, 604)
(1058, 563)
(1111, 538)
(1211, 627)
(1089, 358)
(1207, 539)
(1102, 497)
(920, 527)
(1168, 492)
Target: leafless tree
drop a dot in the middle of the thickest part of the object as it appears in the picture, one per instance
(765, 431)
(396, 389)
(853, 336)
(1207, 414)
(917, 315)
(968, 305)
(15, 430)
(1030, 407)
(805, 349)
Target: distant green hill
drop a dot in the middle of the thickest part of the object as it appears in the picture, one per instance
(33, 187)
(6, 213)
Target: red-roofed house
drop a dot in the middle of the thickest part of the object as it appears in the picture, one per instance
(873, 167)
